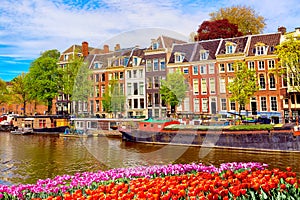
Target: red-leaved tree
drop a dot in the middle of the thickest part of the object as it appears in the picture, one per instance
(217, 29)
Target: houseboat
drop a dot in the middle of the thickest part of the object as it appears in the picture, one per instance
(50, 124)
(282, 138)
(6, 122)
(25, 129)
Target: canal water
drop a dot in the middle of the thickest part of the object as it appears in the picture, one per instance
(25, 159)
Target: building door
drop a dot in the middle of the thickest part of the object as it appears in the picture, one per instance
(213, 105)
(253, 104)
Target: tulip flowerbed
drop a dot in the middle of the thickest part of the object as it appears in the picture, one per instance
(178, 181)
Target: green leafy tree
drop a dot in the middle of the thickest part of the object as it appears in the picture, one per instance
(173, 89)
(45, 78)
(247, 20)
(114, 99)
(288, 53)
(20, 91)
(4, 92)
(243, 86)
(83, 85)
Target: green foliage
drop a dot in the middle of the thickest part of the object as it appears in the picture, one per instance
(4, 92)
(247, 20)
(20, 90)
(83, 85)
(114, 99)
(289, 55)
(244, 84)
(251, 127)
(45, 77)
(173, 89)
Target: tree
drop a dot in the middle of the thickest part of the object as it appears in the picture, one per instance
(45, 78)
(288, 53)
(243, 86)
(20, 91)
(113, 99)
(217, 29)
(173, 89)
(247, 20)
(83, 85)
(4, 93)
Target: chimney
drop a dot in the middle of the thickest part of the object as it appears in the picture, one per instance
(85, 49)
(105, 48)
(282, 29)
(117, 47)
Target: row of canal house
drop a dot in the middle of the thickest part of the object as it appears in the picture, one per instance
(207, 66)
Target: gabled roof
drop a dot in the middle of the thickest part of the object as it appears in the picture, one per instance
(187, 49)
(209, 45)
(104, 57)
(166, 42)
(241, 44)
(271, 40)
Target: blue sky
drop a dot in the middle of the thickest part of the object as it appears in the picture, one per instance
(29, 27)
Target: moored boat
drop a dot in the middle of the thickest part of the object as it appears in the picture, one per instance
(171, 132)
(22, 131)
(47, 124)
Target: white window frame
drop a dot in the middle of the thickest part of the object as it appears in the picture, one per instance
(261, 65)
(273, 100)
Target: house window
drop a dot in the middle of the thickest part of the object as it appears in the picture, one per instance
(230, 67)
(102, 90)
(121, 88)
(204, 105)
(263, 103)
(156, 99)
(232, 105)
(272, 81)
(148, 65)
(135, 103)
(156, 82)
(273, 103)
(96, 77)
(222, 85)
(222, 67)
(223, 104)
(126, 59)
(229, 49)
(121, 75)
(103, 77)
(262, 82)
(203, 86)
(141, 73)
(96, 65)
(162, 64)
(186, 70)
(155, 64)
(135, 89)
(129, 74)
(260, 50)
(128, 88)
(212, 85)
(134, 73)
(142, 103)
(149, 101)
(195, 86)
(211, 68)
(155, 45)
(230, 80)
(203, 69)
(179, 57)
(261, 65)
(204, 55)
(271, 64)
(141, 88)
(195, 70)
(135, 61)
(251, 65)
(149, 83)
(196, 105)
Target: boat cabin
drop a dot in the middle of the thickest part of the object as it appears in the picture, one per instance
(41, 121)
(156, 124)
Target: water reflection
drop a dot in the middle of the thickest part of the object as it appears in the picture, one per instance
(25, 159)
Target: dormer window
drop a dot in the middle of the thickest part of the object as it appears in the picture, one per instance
(155, 45)
(204, 54)
(179, 57)
(260, 49)
(66, 57)
(230, 47)
(135, 61)
(97, 65)
(125, 61)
